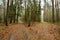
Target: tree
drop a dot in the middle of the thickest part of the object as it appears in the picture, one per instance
(25, 12)
(57, 10)
(4, 9)
(6, 17)
(29, 12)
(45, 10)
(14, 13)
(11, 12)
(53, 11)
(20, 8)
(39, 10)
(35, 10)
(16, 1)
(32, 11)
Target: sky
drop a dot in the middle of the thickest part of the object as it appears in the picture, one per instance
(42, 3)
(0, 2)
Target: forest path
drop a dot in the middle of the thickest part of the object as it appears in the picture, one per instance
(38, 31)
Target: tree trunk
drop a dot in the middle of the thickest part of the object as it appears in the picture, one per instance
(29, 13)
(17, 10)
(53, 11)
(4, 3)
(12, 15)
(39, 10)
(45, 10)
(57, 10)
(6, 17)
(10, 19)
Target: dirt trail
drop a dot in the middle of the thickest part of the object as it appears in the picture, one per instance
(38, 31)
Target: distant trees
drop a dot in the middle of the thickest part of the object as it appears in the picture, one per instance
(11, 10)
(27, 12)
(14, 13)
(32, 11)
(51, 10)
(36, 10)
(19, 8)
(14, 8)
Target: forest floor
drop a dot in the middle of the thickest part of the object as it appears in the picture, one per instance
(37, 31)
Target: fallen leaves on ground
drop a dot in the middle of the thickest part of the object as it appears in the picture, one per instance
(37, 31)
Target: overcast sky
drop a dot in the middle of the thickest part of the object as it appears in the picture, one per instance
(41, 2)
(0, 2)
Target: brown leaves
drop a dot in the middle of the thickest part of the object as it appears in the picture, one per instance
(37, 31)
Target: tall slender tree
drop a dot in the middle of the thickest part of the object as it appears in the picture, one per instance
(57, 10)
(16, 1)
(39, 10)
(6, 17)
(4, 3)
(29, 12)
(14, 11)
(53, 11)
(45, 10)
(25, 11)
(11, 11)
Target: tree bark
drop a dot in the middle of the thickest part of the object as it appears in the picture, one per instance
(57, 10)
(4, 3)
(12, 15)
(6, 17)
(53, 11)
(17, 10)
(45, 10)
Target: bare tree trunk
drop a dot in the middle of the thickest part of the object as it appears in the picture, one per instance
(25, 10)
(11, 17)
(45, 10)
(57, 10)
(14, 17)
(14, 13)
(17, 10)
(39, 11)
(29, 21)
(4, 3)
(42, 13)
(53, 11)
(6, 16)
(7, 13)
